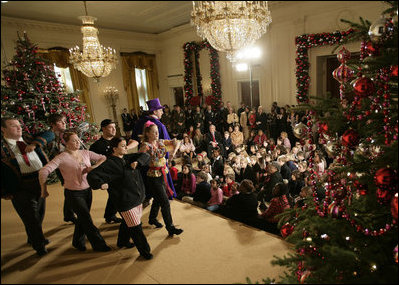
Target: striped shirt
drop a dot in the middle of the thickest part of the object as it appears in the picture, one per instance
(34, 160)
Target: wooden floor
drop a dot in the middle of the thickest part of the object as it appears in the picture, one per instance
(211, 249)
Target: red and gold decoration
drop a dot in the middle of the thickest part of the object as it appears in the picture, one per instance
(194, 48)
(303, 43)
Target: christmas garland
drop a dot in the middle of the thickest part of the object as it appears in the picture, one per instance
(193, 47)
(303, 43)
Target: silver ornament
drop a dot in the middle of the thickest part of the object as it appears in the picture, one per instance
(377, 29)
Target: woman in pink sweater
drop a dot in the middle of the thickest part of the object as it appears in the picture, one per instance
(74, 165)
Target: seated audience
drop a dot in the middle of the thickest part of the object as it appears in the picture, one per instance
(216, 196)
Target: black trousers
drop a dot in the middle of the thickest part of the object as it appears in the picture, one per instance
(81, 203)
(110, 210)
(137, 235)
(156, 186)
(68, 211)
(30, 208)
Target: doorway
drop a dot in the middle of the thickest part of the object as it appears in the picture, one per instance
(246, 93)
(179, 97)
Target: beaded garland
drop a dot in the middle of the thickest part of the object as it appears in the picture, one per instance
(303, 43)
(193, 47)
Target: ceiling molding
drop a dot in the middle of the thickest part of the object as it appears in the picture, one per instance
(49, 26)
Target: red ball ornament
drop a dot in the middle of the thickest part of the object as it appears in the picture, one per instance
(363, 86)
(385, 177)
(286, 230)
(371, 49)
(394, 70)
(350, 138)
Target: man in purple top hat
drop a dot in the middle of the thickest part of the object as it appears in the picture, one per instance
(155, 111)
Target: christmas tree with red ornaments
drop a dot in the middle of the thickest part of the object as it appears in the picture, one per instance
(350, 234)
(31, 92)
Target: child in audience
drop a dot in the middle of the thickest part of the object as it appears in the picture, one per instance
(202, 192)
(173, 171)
(284, 169)
(200, 162)
(228, 170)
(296, 183)
(207, 169)
(278, 204)
(216, 196)
(226, 144)
(188, 183)
(285, 140)
(227, 186)
(306, 192)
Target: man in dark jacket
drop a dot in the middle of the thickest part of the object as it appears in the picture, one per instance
(275, 177)
(212, 140)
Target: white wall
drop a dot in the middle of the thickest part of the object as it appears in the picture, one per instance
(276, 70)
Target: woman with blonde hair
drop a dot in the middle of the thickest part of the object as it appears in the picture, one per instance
(74, 164)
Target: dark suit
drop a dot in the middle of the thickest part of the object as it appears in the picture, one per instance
(26, 193)
(207, 142)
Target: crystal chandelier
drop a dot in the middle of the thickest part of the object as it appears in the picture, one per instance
(230, 25)
(94, 60)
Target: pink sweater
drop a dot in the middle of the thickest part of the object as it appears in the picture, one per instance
(71, 170)
(216, 198)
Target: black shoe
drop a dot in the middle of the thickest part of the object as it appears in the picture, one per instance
(103, 248)
(175, 231)
(72, 220)
(113, 219)
(147, 256)
(46, 242)
(127, 245)
(156, 223)
(80, 247)
(42, 252)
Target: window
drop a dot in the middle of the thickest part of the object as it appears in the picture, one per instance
(141, 83)
(64, 78)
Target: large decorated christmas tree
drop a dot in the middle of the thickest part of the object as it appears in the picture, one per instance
(31, 92)
(350, 234)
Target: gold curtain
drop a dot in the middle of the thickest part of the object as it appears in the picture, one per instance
(60, 56)
(140, 60)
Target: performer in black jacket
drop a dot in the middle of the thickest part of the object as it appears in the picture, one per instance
(126, 190)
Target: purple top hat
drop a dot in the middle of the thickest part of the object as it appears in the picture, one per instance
(154, 105)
